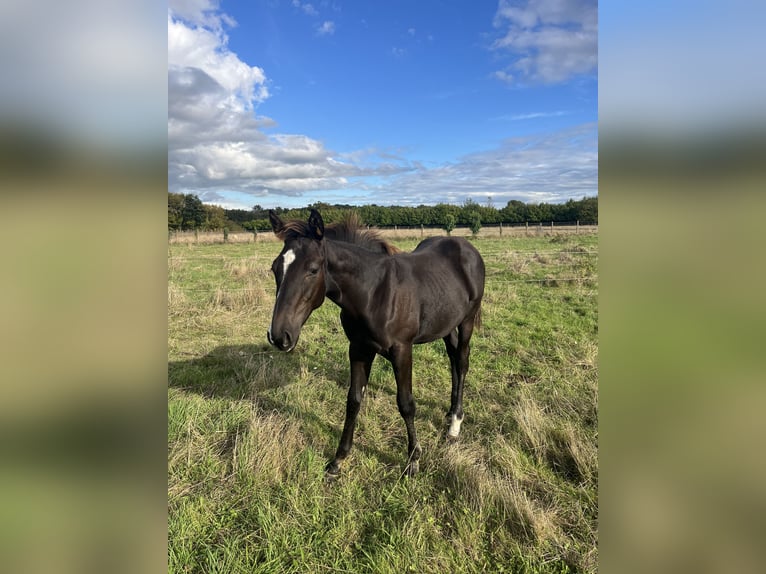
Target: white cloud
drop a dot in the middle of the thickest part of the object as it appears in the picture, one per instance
(533, 115)
(203, 48)
(548, 41)
(307, 8)
(216, 141)
(326, 28)
(548, 167)
(200, 12)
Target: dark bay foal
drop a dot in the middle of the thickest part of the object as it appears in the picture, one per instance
(389, 301)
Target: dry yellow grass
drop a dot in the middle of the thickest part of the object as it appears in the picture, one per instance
(211, 237)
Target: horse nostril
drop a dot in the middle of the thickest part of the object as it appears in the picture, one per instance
(287, 341)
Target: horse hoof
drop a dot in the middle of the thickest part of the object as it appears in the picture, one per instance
(451, 439)
(331, 471)
(412, 469)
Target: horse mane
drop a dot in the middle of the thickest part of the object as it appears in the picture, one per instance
(349, 230)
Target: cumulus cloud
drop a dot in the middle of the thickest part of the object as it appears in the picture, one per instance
(216, 140)
(205, 48)
(547, 41)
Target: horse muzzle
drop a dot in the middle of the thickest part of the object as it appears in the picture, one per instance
(284, 342)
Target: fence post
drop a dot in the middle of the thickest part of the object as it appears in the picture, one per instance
(577, 228)
(551, 226)
(501, 228)
(225, 234)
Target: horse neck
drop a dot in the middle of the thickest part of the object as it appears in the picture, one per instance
(351, 273)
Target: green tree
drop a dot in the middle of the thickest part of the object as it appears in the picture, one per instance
(193, 212)
(215, 218)
(467, 211)
(475, 224)
(175, 210)
(588, 211)
(448, 223)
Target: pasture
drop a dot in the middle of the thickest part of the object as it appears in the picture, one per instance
(250, 429)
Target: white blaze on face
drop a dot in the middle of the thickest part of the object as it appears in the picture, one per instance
(287, 258)
(454, 427)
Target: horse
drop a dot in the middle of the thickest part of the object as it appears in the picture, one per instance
(390, 300)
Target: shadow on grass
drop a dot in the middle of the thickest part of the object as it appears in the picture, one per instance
(234, 371)
(255, 373)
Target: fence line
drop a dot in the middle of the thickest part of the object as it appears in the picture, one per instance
(398, 231)
(246, 257)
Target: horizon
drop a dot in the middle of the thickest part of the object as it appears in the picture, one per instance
(386, 206)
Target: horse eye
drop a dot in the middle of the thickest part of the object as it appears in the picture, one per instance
(314, 270)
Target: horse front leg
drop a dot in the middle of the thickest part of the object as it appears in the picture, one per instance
(361, 362)
(401, 359)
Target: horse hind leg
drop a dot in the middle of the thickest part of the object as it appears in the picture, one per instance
(459, 350)
(455, 413)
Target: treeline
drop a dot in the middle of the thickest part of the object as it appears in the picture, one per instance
(187, 212)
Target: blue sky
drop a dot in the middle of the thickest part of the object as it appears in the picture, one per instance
(285, 103)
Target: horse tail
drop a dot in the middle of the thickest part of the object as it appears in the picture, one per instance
(477, 318)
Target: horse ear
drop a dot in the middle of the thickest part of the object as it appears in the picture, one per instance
(316, 224)
(277, 224)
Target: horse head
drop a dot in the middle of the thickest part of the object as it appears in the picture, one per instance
(299, 271)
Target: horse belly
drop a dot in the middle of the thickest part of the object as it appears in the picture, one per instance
(439, 318)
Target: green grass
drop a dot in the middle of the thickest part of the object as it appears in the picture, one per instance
(250, 429)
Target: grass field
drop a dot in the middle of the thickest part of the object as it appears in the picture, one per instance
(250, 429)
